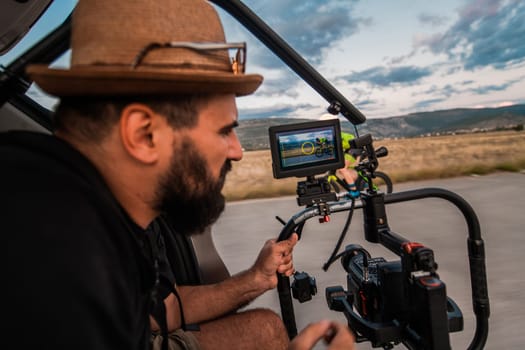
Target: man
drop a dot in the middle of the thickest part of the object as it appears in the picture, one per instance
(145, 126)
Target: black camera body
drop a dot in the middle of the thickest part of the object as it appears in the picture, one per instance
(392, 302)
(381, 298)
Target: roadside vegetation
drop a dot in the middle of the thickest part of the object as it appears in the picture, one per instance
(409, 159)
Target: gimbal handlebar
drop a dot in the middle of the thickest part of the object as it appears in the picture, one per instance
(393, 242)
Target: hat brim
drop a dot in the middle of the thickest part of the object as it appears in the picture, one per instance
(106, 81)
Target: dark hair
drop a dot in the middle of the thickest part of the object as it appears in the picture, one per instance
(92, 118)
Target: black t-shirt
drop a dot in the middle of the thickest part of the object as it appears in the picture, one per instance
(180, 262)
(176, 261)
(73, 267)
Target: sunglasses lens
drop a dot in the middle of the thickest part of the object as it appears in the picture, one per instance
(238, 62)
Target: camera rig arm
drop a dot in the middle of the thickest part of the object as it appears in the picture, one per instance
(476, 253)
(338, 103)
(377, 231)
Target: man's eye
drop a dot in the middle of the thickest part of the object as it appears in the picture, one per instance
(227, 131)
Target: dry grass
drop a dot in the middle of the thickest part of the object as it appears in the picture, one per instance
(408, 160)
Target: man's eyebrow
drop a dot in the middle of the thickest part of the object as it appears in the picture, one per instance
(230, 126)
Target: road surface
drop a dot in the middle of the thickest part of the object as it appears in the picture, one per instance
(499, 202)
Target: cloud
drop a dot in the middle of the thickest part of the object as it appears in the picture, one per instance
(432, 20)
(383, 76)
(463, 87)
(281, 111)
(487, 89)
(400, 59)
(266, 112)
(367, 102)
(325, 25)
(284, 85)
(426, 104)
(309, 27)
(438, 92)
(487, 33)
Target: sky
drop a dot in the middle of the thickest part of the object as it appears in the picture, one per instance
(388, 58)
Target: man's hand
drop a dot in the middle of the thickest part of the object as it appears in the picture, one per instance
(275, 257)
(234, 292)
(348, 173)
(336, 335)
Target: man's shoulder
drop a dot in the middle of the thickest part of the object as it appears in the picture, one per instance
(17, 147)
(42, 175)
(42, 162)
(19, 138)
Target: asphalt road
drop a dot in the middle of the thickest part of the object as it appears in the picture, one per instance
(499, 203)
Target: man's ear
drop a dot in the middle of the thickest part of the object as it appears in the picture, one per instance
(137, 128)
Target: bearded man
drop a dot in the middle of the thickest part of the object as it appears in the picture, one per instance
(145, 127)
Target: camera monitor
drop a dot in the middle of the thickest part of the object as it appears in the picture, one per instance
(305, 149)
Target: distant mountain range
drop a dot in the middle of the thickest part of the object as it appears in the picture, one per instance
(253, 133)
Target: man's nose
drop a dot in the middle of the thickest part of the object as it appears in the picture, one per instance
(235, 148)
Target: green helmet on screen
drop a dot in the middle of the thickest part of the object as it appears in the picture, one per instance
(345, 140)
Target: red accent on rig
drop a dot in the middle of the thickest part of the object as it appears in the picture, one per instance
(324, 219)
(409, 246)
(364, 310)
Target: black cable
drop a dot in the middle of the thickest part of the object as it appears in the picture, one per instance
(351, 249)
(341, 237)
(356, 131)
(280, 220)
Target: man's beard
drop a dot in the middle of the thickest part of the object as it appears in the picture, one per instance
(188, 195)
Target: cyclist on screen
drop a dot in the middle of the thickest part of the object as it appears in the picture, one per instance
(347, 174)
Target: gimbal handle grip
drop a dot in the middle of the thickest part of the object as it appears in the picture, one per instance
(283, 282)
(284, 290)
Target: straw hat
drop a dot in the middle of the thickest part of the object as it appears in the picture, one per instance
(146, 47)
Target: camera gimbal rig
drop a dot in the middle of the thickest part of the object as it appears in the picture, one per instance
(388, 302)
(417, 312)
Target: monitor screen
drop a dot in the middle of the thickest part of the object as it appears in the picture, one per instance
(305, 149)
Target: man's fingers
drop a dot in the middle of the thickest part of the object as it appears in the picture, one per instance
(287, 245)
(336, 334)
(340, 337)
(285, 266)
(293, 239)
(286, 269)
(310, 335)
